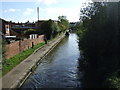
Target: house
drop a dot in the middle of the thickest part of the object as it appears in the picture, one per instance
(21, 27)
(14, 30)
(4, 27)
(6, 30)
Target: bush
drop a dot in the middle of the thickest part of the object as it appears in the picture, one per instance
(100, 38)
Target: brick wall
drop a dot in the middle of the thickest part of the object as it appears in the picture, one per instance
(19, 46)
(12, 49)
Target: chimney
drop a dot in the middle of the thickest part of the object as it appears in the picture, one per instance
(38, 12)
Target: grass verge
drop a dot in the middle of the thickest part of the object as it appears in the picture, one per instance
(15, 60)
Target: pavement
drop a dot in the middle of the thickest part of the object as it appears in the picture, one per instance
(15, 77)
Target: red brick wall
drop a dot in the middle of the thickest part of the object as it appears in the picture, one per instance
(19, 46)
(12, 49)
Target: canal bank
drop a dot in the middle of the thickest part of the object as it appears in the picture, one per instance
(59, 69)
(16, 76)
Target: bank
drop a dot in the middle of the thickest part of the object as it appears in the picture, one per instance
(17, 75)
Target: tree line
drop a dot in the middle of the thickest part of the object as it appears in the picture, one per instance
(99, 42)
(50, 27)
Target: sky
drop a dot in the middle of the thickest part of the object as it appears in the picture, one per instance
(24, 10)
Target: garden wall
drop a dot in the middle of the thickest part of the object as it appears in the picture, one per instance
(19, 46)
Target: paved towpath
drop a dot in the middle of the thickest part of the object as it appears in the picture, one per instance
(13, 78)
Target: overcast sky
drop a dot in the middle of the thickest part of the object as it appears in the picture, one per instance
(24, 10)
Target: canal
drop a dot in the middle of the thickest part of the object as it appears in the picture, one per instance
(59, 68)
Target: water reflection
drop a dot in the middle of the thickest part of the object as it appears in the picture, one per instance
(59, 68)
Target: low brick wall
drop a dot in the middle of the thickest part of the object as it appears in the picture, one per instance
(19, 46)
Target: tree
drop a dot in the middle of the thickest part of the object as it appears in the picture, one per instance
(63, 23)
(46, 28)
(100, 38)
(29, 31)
(50, 28)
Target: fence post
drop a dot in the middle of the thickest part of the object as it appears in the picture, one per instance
(32, 44)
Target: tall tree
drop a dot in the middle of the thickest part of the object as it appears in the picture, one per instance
(63, 23)
(99, 39)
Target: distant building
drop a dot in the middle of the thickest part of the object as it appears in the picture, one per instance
(20, 27)
(72, 24)
(12, 29)
(5, 26)
(15, 30)
(6, 29)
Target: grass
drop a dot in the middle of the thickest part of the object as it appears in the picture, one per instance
(15, 60)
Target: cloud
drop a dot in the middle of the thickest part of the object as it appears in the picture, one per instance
(12, 10)
(47, 2)
(30, 19)
(28, 11)
(17, 0)
(72, 13)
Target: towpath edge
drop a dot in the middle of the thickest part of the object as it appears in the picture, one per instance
(18, 74)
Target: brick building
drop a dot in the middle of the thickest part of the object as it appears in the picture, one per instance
(10, 28)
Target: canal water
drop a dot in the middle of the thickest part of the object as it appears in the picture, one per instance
(59, 68)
